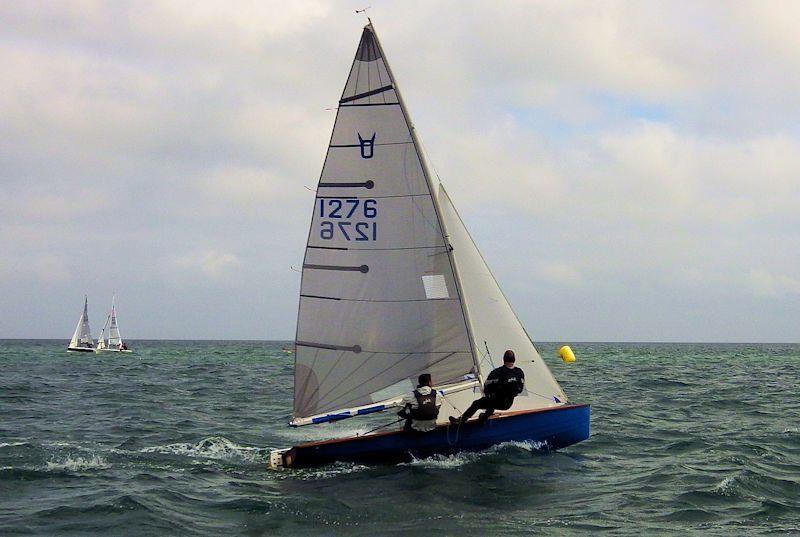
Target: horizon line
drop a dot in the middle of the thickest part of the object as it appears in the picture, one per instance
(563, 342)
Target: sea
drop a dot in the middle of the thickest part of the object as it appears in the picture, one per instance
(687, 439)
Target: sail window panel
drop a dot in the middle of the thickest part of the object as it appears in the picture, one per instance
(394, 275)
(395, 390)
(396, 327)
(435, 286)
(394, 170)
(357, 125)
(385, 223)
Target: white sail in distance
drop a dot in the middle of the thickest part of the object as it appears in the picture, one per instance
(101, 340)
(114, 337)
(83, 335)
(379, 302)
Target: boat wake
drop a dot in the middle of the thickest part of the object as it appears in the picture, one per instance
(466, 457)
(213, 447)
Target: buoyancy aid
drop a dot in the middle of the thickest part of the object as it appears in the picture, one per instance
(426, 406)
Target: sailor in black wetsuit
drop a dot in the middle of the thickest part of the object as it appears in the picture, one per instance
(502, 386)
(420, 408)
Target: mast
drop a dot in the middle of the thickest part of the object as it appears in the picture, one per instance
(434, 196)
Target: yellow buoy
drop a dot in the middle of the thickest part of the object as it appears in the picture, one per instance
(566, 354)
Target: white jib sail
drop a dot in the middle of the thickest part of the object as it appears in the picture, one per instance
(495, 326)
(82, 336)
(101, 340)
(379, 303)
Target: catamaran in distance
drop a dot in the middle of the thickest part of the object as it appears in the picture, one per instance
(393, 286)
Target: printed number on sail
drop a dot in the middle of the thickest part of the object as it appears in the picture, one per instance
(347, 219)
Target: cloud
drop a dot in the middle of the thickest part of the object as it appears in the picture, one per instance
(561, 274)
(644, 151)
(210, 263)
(765, 284)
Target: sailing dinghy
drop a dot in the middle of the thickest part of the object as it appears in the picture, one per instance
(393, 286)
(110, 339)
(82, 338)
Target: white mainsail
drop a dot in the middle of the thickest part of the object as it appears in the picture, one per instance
(114, 337)
(392, 284)
(83, 335)
(379, 300)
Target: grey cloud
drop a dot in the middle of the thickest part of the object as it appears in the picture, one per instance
(161, 150)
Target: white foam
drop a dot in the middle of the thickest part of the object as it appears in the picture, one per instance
(338, 469)
(465, 457)
(79, 464)
(725, 487)
(527, 445)
(12, 444)
(444, 461)
(59, 444)
(214, 447)
(324, 432)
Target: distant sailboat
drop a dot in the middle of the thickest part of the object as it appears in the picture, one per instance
(82, 338)
(393, 286)
(110, 339)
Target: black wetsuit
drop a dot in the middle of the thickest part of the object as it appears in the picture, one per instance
(502, 386)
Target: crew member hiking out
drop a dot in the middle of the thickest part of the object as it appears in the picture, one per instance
(420, 407)
(501, 387)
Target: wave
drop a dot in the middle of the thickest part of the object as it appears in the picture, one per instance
(335, 470)
(213, 447)
(78, 464)
(12, 444)
(67, 466)
(727, 486)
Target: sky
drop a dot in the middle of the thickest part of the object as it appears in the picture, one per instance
(629, 170)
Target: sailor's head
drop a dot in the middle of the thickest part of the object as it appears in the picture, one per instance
(509, 359)
(425, 380)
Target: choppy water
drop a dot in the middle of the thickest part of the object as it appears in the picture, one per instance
(173, 439)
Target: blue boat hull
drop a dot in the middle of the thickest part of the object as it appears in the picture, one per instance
(555, 428)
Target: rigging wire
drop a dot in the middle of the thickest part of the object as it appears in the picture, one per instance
(381, 427)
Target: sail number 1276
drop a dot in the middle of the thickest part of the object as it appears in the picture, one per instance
(350, 219)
